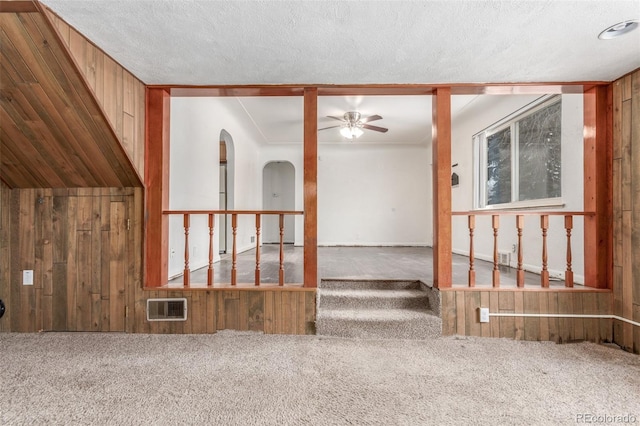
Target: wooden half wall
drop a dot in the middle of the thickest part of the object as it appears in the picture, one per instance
(85, 248)
(626, 209)
(460, 314)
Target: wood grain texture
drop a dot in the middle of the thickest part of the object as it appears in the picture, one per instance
(626, 208)
(310, 187)
(76, 243)
(459, 314)
(441, 157)
(54, 132)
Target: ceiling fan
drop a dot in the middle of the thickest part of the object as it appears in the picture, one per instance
(353, 123)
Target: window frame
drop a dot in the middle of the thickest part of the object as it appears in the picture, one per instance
(480, 156)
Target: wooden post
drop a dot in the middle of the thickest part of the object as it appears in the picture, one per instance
(472, 272)
(281, 274)
(257, 274)
(441, 159)
(211, 232)
(568, 274)
(520, 271)
(544, 274)
(234, 253)
(310, 187)
(495, 223)
(598, 160)
(187, 271)
(156, 178)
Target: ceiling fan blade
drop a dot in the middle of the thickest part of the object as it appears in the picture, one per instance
(332, 127)
(336, 118)
(375, 128)
(371, 118)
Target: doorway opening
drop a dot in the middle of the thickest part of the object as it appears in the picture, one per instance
(278, 193)
(226, 199)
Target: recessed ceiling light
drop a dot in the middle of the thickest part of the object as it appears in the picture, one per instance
(618, 29)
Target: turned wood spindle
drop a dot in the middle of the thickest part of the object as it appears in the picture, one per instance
(186, 272)
(210, 269)
(234, 254)
(472, 272)
(568, 275)
(544, 274)
(257, 250)
(520, 271)
(281, 275)
(495, 222)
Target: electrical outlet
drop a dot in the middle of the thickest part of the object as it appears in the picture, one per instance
(484, 314)
(27, 277)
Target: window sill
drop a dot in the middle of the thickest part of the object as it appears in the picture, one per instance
(553, 203)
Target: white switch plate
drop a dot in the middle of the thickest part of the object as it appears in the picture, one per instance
(484, 314)
(27, 277)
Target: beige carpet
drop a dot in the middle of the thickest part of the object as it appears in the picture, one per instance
(234, 378)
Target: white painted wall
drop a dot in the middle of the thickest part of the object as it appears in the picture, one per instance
(480, 114)
(374, 195)
(194, 173)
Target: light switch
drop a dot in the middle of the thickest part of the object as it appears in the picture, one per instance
(27, 277)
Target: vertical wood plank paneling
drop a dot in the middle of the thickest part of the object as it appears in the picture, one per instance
(506, 302)
(553, 322)
(5, 255)
(117, 266)
(494, 306)
(531, 305)
(310, 313)
(120, 95)
(461, 313)
(518, 306)
(472, 303)
(448, 312)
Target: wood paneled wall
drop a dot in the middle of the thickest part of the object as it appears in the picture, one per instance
(460, 314)
(626, 209)
(85, 248)
(79, 244)
(118, 92)
(268, 311)
(5, 254)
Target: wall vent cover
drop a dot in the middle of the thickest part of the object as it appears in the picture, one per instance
(504, 258)
(167, 309)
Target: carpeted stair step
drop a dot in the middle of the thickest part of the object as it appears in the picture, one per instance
(344, 284)
(372, 299)
(375, 309)
(378, 324)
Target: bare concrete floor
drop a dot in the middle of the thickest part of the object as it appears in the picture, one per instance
(414, 263)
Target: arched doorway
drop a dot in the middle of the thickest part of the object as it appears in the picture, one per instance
(278, 193)
(226, 193)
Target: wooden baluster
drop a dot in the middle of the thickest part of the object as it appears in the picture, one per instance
(568, 275)
(234, 254)
(495, 222)
(281, 278)
(210, 270)
(186, 273)
(520, 271)
(544, 274)
(472, 272)
(257, 250)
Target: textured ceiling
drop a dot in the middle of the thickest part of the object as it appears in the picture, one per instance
(358, 42)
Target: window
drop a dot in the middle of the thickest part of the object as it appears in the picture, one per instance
(518, 160)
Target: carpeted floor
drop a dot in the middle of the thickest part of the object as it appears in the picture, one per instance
(234, 378)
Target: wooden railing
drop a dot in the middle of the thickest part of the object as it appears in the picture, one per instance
(519, 220)
(187, 214)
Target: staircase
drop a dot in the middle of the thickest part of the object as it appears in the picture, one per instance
(377, 309)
